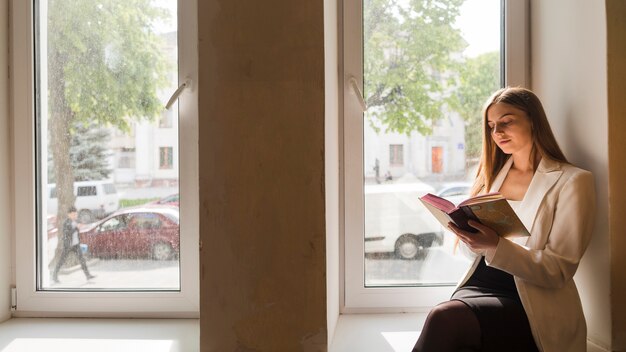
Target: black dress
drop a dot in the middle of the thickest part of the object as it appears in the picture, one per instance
(492, 295)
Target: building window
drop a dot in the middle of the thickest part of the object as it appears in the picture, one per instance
(166, 157)
(126, 162)
(167, 118)
(396, 155)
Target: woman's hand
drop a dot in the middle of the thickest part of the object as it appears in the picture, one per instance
(484, 239)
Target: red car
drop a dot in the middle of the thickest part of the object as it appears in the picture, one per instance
(135, 233)
(52, 226)
(173, 199)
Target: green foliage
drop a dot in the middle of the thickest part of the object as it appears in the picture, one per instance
(110, 61)
(88, 154)
(411, 52)
(105, 65)
(478, 78)
(127, 203)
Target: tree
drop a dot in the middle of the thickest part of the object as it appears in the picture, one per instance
(411, 54)
(88, 154)
(478, 78)
(105, 65)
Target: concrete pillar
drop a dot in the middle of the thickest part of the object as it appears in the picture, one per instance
(262, 219)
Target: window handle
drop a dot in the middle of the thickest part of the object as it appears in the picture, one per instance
(177, 93)
(357, 91)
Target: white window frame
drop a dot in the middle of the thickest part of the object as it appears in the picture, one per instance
(357, 298)
(30, 302)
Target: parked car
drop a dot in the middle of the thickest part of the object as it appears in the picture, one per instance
(397, 222)
(94, 199)
(456, 192)
(147, 231)
(51, 226)
(172, 199)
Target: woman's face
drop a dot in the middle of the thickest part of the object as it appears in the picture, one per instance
(510, 128)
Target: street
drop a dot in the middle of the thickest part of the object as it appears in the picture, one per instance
(438, 267)
(116, 274)
(441, 265)
(121, 274)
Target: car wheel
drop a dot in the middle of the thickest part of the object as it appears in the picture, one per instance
(161, 251)
(85, 216)
(408, 247)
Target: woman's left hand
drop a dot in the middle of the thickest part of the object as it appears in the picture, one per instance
(484, 239)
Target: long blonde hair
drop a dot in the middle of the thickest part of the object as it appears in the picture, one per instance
(544, 144)
(492, 158)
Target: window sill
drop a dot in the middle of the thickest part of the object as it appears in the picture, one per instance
(120, 335)
(387, 333)
(377, 332)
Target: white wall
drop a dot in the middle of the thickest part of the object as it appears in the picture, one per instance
(331, 163)
(568, 64)
(5, 169)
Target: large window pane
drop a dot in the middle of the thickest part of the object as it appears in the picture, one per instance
(106, 145)
(428, 68)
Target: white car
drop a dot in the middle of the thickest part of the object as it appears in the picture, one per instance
(94, 199)
(455, 192)
(397, 222)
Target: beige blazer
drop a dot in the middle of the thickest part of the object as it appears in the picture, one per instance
(558, 209)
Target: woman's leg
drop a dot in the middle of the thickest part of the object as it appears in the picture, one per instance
(450, 327)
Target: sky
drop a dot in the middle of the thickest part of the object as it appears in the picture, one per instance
(480, 26)
(171, 25)
(479, 23)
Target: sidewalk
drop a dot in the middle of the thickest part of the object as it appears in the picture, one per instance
(117, 274)
(121, 274)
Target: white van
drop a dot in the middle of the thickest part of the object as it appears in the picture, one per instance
(397, 222)
(94, 199)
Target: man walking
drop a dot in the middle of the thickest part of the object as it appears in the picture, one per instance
(71, 243)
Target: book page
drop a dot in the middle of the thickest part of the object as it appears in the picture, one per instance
(439, 214)
(482, 198)
(499, 216)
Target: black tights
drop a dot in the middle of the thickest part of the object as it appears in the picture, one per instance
(450, 327)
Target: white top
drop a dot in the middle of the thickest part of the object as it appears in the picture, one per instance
(514, 204)
(75, 240)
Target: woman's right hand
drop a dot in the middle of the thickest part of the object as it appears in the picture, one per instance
(478, 242)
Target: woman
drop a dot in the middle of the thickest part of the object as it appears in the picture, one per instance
(519, 294)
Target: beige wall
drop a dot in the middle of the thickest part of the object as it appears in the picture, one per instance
(6, 230)
(616, 53)
(569, 73)
(262, 193)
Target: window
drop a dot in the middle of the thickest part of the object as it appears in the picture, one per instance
(166, 119)
(166, 157)
(85, 191)
(109, 188)
(126, 161)
(91, 82)
(396, 155)
(416, 75)
(114, 223)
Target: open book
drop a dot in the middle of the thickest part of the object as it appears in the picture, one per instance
(490, 209)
